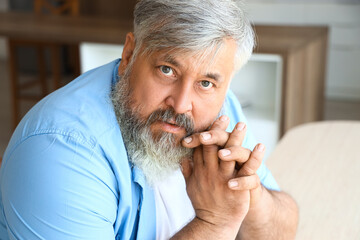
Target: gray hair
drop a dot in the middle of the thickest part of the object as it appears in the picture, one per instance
(192, 26)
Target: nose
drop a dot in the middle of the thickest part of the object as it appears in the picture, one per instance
(180, 98)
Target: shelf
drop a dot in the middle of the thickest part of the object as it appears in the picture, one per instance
(258, 87)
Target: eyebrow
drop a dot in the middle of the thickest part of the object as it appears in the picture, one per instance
(214, 76)
(170, 59)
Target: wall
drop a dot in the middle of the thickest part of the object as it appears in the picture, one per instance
(3, 7)
(343, 71)
(307, 1)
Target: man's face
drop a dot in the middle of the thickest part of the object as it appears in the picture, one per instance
(165, 80)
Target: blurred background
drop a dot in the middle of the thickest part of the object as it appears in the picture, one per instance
(296, 75)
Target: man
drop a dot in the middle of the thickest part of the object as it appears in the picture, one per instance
(100, 158)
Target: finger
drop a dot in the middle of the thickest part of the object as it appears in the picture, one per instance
(221, 123)
(232, 156)
(211, 140)
(198, 162)
(244, 183)
(237, 136)
(235, 153)
(211, 137)
(186, 168)
(235, 139)
(210, 157)
(191, 141)
(254, 162)
(216, 135)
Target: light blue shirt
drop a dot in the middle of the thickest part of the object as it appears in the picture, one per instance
(66, 175)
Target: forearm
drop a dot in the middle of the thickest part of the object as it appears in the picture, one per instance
(274, 217)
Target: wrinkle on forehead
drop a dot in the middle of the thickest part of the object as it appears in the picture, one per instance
(201, 59)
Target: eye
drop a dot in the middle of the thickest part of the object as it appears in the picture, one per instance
(206, 84)
(166, 70)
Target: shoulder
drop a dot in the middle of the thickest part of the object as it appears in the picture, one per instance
(81, 110)
(66, 158)
(74, 127)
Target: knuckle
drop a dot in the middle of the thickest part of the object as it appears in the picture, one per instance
(225, 136)
(221, 122)
(218, 132)
(236, 156)
(251, 182)
(243, 154)
(256, 160)
(217, 125)
(235, 139)
(245, 183)
(226, 169)
(247, 170)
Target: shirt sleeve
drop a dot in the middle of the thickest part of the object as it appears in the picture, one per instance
(233, 109)
(58, 187)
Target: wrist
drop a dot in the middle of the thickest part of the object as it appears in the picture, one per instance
(261, 209)
(217, 230)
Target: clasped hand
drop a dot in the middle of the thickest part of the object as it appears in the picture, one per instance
(221, 177)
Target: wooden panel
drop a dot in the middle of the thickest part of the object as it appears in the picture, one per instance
(121, 9)
(63, 29)
(304, 56)
(294, 100)
(314, 87)
(284, 39)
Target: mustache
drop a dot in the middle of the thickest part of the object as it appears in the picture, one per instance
(181, 120)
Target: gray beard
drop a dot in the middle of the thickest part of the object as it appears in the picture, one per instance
(156, 156)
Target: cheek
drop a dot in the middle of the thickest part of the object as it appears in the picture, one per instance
(148, 95)
(206, 113)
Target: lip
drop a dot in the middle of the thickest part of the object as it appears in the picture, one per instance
(170, 127)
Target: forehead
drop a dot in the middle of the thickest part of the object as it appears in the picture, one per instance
(219, 58)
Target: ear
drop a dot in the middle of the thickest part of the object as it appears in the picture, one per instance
(127, 53)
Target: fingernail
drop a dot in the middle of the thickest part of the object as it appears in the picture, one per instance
(224, 118)
(225, 152)
(233, 184)
(261, 147)
(206, 136)
(188, 139)
(240, 126)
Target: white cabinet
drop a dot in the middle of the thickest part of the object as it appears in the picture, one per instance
(93, 55)
(258, 87)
